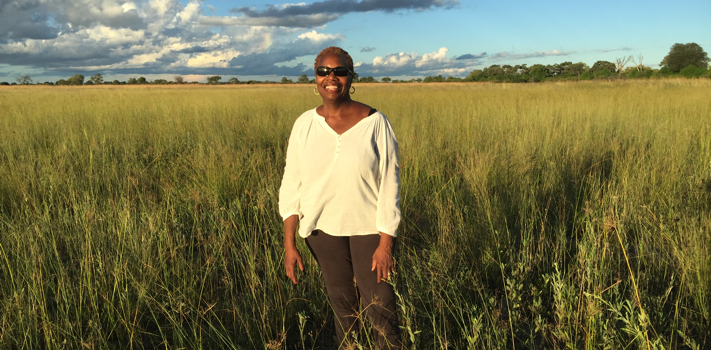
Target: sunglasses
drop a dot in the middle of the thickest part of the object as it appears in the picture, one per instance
(338, 71)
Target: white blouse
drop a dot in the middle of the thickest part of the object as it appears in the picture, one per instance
(344, 185)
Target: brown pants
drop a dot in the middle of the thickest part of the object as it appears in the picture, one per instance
(341, 260)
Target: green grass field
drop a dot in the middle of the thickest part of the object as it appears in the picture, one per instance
(535, 216)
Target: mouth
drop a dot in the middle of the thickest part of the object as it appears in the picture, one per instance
(331, 87)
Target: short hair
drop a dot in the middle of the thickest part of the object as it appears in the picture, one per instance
(334, 50)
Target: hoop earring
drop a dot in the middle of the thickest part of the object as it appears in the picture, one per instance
(316, 92)
(352, 92)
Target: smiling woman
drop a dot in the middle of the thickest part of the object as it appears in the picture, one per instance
(341, 186)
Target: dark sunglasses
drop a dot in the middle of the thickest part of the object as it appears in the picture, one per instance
(338, 71)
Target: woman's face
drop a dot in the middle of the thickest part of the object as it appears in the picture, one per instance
(333, 87)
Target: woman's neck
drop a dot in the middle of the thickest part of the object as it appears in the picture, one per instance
(336, 108)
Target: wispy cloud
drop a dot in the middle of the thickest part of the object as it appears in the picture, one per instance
(299, 21)
(514, 56)
(472, 57)
(367, 49)
(613, 50)
(304, 15)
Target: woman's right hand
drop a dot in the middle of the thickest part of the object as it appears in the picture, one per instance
(291, 254)
(291, 257)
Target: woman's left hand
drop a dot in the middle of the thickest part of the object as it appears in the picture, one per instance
(383, 258)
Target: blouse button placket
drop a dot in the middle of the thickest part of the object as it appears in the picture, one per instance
(338, 146)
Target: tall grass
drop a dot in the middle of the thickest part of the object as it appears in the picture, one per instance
(147, 217)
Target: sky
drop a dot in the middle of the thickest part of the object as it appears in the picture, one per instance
(268, 40)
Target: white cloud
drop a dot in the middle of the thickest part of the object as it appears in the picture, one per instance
(120, 36)
(191, 12)
(433, 63)
(395, 60)
(220, 59)
(162, 6)
(433, 58)
(129, 6)
(314, 36)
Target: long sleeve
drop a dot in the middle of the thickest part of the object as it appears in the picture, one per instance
(289, 193)
(388, 208)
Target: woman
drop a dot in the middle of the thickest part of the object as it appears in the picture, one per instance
(341, 187)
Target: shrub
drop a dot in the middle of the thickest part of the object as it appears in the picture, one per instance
(585, 76)
(602, 74)
(665, 72)
(692, 71)
(538, 73)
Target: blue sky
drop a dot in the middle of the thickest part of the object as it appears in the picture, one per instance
(265, 40)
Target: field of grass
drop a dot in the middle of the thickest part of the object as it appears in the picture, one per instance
(534, 216)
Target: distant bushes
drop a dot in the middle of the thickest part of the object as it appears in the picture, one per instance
(568, 71)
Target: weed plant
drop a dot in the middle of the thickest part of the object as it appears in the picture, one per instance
(557, 215)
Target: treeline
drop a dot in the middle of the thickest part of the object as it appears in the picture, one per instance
(98, 79)
(684, 60)
(569, 71)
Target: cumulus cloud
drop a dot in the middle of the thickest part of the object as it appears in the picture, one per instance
(433, 63)
(266, 63)
(508, 55)
(61, 37)
(367, 49)
(307, 14)
(154, 36)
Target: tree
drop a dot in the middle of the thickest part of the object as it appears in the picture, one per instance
(116, 82)
(24, 80)
(431, 79)
(142, 80)
(575, 69)
(603, 65)
(89, 82)
(621, 63)
(97, 79)
(179, 79)
(682, 55)
(474, 75)
(538, 73)
(304, 79)
(214, 80)
(385, 79)
(233, 81)
(639, 65)
(132, 81)
(76, 79)
(493, 71)
(284, 80)
(554, 69)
